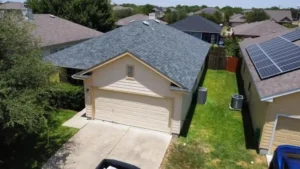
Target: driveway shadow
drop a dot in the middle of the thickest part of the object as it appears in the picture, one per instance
(114, 163)
(251, 140)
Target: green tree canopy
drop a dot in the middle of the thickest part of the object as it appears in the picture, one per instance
(94, 14)
(256, 15)
(23, 79)
(216, 17)
(172, 17)
(123, 13)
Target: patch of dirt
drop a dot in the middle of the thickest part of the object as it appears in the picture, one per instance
(216, 162)
(242, 164)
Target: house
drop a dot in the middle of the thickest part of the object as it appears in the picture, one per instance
(208, 10)
(136, 17)
(200, 27)
(257, 29)
(237, 19)
(143, 74)
(271, 77)
(55, 33)
(280, 16)
(159, 11)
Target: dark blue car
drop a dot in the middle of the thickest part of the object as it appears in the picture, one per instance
(286, 157)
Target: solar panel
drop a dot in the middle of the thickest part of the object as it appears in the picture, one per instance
(274, 57)
(292, 36)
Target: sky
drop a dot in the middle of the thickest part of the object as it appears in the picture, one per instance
(220, 3)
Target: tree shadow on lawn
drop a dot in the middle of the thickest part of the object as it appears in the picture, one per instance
(250, 137)
(186, 125)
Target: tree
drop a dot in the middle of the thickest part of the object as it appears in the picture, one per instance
(24, 77)
(216, 17)
(123, 13)
(229, 11)
(94, 14)
(146, 9)
(172, 17)
(256, 15)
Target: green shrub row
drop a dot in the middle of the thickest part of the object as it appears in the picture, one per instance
(66, 96)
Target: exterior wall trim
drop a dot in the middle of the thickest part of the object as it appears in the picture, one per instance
(275, 125)
(281, 94)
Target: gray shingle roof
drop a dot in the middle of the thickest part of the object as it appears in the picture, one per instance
(275, 85)
(53, 31)
(175, 54)
(237, 18)
(279, 15)
(136, 17)
(258, 28)
(12, 5)
(209, 10)
(197, 23)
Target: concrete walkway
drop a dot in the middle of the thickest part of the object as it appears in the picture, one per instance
(99, 140)
(77, 121)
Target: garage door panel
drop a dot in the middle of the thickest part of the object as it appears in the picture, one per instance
(136, 110)
(125, 103)
(287, 132)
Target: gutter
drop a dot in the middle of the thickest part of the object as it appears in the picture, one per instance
(269, 98)
(181, 90)
(80, 77)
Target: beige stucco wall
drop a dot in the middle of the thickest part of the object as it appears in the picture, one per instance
(112, 76)
(47, 50)
(288, 105)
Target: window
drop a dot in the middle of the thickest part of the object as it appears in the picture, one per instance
(249, 87)
(130, 71)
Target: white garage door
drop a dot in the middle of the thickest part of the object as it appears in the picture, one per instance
(135, 110)
(287, 132)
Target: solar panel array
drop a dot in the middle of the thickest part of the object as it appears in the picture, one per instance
(274, 57)
(292, 36)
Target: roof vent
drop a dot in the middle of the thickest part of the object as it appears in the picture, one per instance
(52, 16)
(157, 21)
(146, 23)
(132, 21)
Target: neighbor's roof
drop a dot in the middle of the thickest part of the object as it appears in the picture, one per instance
(136, 17)
(276, 85)
(12, 5)
(197, 23)
(209, 10)
(173, 53)
(55, 30)
(237, 18)
(258, 28)
(279, 15)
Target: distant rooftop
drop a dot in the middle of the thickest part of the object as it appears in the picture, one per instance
(136, 17)
(12, 5)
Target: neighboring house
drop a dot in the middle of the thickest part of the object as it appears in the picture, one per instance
(57, 34)
(237, 19)
(271, 77)
(143, 74)
(257, 29)
(200, 27)
(280, 16)
(159, 11)
(209, 10)
(136, 17)
(119, 7)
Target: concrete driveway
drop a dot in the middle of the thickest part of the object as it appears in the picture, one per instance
(99, 140)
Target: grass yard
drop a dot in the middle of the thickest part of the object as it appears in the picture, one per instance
(35, 150)
(216, 136)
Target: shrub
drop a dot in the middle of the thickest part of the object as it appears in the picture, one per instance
(289, 25)
(66, 96)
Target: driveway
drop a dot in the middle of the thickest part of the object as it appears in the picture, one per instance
(99, 140)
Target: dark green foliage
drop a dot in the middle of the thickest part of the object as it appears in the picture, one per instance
(146, 9)
(66, 96)
(216, 17)
(289, 25)
(23, 78)
(232, 47)
(94, 14)
(229, 11)
(123, 13)
(256, 15)
(172, 17)
(34, 150)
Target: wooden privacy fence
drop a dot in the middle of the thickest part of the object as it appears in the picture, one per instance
(217, 60)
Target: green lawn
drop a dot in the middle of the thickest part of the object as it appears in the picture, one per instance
(216, 137)
(35, 150)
